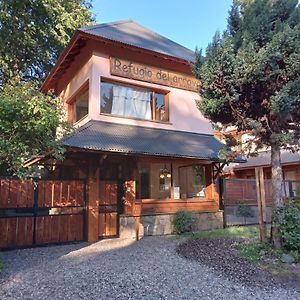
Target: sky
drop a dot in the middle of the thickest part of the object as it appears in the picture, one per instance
(190, 23)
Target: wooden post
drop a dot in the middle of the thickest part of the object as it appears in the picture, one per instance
(93, 201)
(261, 203)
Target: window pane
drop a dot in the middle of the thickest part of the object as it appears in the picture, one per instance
(125, 101)
(106, 97)
(153, 181)
(192, 181)
(81, 106)
(160, 107)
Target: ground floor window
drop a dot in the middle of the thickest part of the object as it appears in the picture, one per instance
(156, 180)
(192, 181)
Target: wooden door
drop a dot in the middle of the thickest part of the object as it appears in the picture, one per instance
(108, 209)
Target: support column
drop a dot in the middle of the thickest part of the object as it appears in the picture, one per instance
(261, 203)
(93, 201)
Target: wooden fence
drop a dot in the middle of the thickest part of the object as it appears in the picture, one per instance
(36, 212)
(237, 192)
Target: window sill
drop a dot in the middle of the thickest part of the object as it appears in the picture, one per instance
(77, 122)
(167, 200)
(137, 119)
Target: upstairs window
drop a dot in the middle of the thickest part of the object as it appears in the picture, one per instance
(133, 102)
(79, 105)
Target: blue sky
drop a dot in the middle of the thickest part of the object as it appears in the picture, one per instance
(190, 23)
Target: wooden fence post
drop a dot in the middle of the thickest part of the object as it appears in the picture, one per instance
(261, 203)
(93, 201)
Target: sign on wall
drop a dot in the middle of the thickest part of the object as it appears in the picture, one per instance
(132, 70)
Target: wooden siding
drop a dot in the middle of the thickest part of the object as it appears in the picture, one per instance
(59, 229)
(41, 212)
(171, 205)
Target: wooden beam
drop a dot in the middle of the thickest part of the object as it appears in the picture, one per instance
(261, 203)
(93, 201)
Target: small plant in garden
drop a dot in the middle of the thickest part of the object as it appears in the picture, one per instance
(183, 222)
(244, 210)
(251, 252)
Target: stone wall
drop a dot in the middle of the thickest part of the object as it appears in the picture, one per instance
(127, 227)
(162, 224)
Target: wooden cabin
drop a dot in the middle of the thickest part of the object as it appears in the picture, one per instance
(141, 143)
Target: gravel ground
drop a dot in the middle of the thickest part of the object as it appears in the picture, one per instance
(120, 269)
(222, 256)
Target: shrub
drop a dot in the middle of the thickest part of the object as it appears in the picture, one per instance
(244, 210)
(290, 226)
(183, 222)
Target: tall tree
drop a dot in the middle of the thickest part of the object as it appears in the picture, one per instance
(34, 32)
(251, 80)
(29, 121)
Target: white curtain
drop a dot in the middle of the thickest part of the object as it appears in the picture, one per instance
(131, 103)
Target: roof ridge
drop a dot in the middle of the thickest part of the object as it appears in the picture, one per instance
(116, 23)
(158, 34)
(101, 25)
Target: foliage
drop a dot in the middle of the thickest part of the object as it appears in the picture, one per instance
(34, 33)
(245, 210)
(28, 126)
(251, 81)
(251, 73)
(251, 252)
(183, 222)
(235, 231)
(290, 226)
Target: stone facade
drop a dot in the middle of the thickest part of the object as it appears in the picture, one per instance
(127, 227)
(207, 221)
(162, 224)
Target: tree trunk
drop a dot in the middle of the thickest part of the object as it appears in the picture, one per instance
(277, 198)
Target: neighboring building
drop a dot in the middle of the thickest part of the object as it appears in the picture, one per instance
(290, 166)
(142, 145)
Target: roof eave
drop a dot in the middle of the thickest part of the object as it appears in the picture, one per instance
(66, 51)
(133, 153)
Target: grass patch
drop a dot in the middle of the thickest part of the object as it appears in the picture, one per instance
(251, 252)
(236, 231)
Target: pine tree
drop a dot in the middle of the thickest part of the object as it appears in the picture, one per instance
(251, 80)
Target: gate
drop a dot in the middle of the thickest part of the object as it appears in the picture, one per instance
(109, 209)
(40, 212)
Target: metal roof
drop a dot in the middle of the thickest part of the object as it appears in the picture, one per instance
(130, 139)
(264, 159)
(131, 33)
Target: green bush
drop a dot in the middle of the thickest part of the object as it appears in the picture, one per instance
(290, 226)
(183, 222)
(244, 210)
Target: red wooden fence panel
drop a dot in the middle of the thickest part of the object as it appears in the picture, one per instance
(16, 193)
(58, 215)
(244, 190)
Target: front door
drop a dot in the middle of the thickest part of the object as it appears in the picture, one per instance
(109, 209)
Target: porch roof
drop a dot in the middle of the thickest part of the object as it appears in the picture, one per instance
(130, 139)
